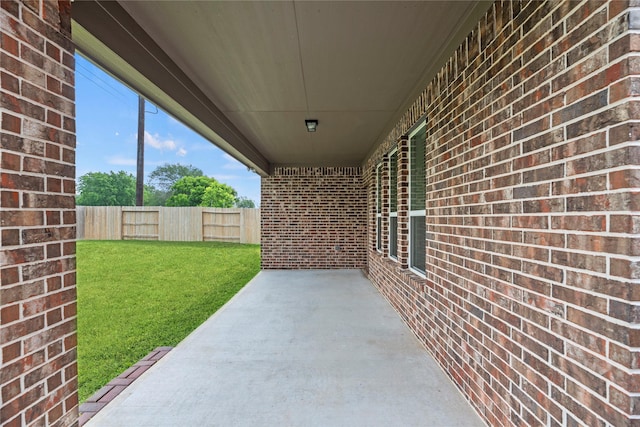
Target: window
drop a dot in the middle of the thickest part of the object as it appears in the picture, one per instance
(379, 207)
(417, 199)
(393, 205)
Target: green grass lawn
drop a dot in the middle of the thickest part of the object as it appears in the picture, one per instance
(134, 296)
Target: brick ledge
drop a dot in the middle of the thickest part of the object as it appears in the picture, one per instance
(107, 393)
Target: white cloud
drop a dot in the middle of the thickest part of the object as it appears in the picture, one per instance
(181, 152)
(121, 161)
(117, 133)
(158, 143)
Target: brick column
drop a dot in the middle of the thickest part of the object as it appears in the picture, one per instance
(403, 202)
(37, 215)
(369, 178)
(384, 170)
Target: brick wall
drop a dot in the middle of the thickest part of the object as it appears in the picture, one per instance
(38, 378)
(531, 297)
(314, 218)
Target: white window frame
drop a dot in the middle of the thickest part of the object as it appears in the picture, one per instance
(415, 213)
(393, 214)
(379, 207)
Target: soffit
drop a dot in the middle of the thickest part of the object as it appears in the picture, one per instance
(267, 65)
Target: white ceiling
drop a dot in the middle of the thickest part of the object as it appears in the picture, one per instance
(267, 65)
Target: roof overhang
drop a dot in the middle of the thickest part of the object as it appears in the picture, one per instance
(246, 75)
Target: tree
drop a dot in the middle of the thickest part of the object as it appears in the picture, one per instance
(188, 191)
(162, 178)
(244, 202)
(153, 196)
(107, 189)
(201, 191)
(218, 195)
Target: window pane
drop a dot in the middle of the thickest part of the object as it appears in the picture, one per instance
(379, 234)
(393, 236)
(418, 181)
(393, 182)
(379, 189)
(418, 237)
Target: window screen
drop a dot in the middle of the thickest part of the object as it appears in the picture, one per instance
(417, 198)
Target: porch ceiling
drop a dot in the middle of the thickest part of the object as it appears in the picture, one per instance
(247, 74)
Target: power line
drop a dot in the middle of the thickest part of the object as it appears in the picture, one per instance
(102, 84)
(115, 95)
(81, 65)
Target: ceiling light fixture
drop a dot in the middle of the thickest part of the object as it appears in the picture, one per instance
(311, 125)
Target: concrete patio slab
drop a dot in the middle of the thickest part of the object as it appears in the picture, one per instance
(295, 348)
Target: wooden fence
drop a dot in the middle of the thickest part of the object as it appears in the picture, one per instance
(163, 223)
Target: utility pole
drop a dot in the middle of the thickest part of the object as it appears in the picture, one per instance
(140, 170)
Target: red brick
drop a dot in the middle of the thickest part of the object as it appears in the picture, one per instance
(69, 124)
(20, 106)
(11, 390)
(70, 310)
(628, 178)
(54, 316)
(22, 182)
(11, 351)
(54, 350)
(9, 276)
(10, 237)
(68, 248)
(70, 342)
(9, 313)
(28, 398)
(583, 338)
(10, 161)
(19, 329)
(624, 268)
(53, 52)
(54, 283)
(579, 222)
(54, 250)
(580, 185)
(625, 224)
(10, 199)
(54, 118)
(11, 123)
(34, 5)
(71, 372)
(55, 413)
(54, 85)
(10, 45)
(9, 83)
(600, 325)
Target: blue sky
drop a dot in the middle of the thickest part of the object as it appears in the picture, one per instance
(107, 126)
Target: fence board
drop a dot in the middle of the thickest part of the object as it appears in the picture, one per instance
(100, 222)
(250, 226)
(181, 224)
(222, 225)
(168, 223)
(139, 223)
